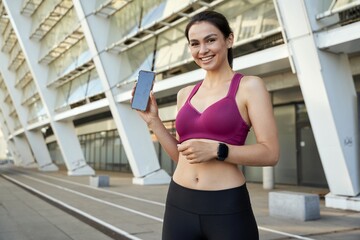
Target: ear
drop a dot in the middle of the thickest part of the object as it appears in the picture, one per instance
(230, 40)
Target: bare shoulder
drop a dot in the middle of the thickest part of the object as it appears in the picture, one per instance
(253, 88)
(183, 94)
(252, 83)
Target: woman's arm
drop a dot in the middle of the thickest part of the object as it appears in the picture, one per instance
(265, 152)
(152, 119)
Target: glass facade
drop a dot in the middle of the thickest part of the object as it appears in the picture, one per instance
(152, 35)
(299, 162)
(104, 151)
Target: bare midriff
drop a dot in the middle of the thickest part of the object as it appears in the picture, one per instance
(209, 175)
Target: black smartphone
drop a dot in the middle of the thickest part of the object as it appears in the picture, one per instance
(142, 90)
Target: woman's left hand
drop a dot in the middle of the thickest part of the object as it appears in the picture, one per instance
(198, 151)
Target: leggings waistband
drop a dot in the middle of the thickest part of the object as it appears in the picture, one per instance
(225, 201)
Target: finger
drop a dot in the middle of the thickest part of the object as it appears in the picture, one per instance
(152, 97)
(192, 157)
(181, 147)
(133, 90)
(132, 93)
(193, 162)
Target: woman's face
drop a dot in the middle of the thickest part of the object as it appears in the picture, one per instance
(208, 46)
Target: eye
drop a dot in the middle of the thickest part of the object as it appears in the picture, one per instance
(211, 40)
(194, 44)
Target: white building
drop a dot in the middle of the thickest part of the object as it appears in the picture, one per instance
(67, 68)
(3, 147)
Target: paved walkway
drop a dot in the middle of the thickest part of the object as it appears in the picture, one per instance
(124, 209)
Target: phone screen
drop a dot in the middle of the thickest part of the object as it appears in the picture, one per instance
(142, 90)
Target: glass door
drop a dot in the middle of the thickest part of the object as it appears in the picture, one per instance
(310, 169)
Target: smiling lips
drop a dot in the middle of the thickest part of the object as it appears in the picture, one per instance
(207, 58)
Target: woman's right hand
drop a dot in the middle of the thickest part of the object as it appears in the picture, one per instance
(151, 113)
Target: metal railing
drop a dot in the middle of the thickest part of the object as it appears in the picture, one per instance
(51, 19)
(111, 7)
(69, 41)
(161, 25)
(338, 6)
(30, 6)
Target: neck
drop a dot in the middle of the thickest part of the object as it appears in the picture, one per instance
(219, 76)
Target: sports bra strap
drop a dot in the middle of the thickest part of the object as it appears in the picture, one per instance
(193, 91)
(234, 86)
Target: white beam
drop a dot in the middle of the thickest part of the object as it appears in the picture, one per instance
(64, 131)
(329, 94)
(9, 142)
(35, 138)
(23, 152)
(132, 129)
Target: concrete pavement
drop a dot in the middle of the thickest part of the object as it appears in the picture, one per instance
(127, 211)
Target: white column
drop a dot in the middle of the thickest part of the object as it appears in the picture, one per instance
(24, 155)
(13, 152)
(24, 150)
(268, 178)
(329, 94)
(41, 151)
(133, 131)
(10, 144)
(35, 137)
(64, 131)
(3, 137)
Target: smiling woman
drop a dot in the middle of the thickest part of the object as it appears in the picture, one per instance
(208, 195)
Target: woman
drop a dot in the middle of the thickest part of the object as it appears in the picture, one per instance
(207, 197)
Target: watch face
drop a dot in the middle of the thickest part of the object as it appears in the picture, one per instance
(223, 151)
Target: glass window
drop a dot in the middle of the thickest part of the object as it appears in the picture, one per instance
(128, 20)
(73, 58)
(117, 150)
(286, 170)
(250, 18)
(342, 3)
(63, 28)
(77, 89)
(94, 87)
(164, 159)
(172, 48)
(80, 88)
(17, 124)
(269, 18)
(62, 95)
(29, 91)
(37, 111)
(140, 57)
(110, 151)
(78, 61)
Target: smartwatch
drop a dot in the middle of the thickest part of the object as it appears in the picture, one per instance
(222, 152)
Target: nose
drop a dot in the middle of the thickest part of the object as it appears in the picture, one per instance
(203, 49)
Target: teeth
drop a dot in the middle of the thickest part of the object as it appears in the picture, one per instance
(206, 58)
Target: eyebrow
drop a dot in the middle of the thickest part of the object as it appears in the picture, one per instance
(206, 37)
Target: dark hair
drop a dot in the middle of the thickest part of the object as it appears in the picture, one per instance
(216, 19)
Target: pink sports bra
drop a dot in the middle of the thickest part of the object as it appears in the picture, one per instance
(221, 121)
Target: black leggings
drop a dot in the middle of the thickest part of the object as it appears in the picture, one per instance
(209, 215)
